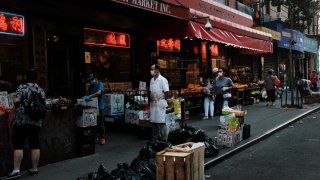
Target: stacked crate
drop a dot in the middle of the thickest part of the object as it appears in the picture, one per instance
(85, 140)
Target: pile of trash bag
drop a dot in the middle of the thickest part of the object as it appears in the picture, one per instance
(190, 134)
(142, 167)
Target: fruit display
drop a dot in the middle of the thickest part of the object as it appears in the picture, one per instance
(58, 103)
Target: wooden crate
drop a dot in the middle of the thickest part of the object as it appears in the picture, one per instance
(197, 150)
(174, 165)
(180, 162)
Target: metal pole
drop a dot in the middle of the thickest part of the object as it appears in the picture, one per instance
(290, 56)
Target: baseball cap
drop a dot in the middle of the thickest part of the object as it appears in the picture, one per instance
(214, 70)
(90, 77)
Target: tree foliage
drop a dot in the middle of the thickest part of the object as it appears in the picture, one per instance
(301, 12)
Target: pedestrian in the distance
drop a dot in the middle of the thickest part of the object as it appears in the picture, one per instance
(270, 87)
(26, 127)
(209, 94)
(159, 89)
(96, 89)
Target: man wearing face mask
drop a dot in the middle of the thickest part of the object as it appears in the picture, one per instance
(96, 89)
(159, 89)
(223, 88)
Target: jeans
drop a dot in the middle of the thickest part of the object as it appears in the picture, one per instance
(208, 105)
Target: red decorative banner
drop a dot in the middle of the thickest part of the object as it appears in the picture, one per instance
(106, 38)
(11, 24)
(214, 50)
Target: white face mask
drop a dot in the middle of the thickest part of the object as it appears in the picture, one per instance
(152, 72)
(220, 74)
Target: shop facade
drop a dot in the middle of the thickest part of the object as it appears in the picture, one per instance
(65, 42)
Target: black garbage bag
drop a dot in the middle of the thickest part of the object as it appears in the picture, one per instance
(144, 168)
(180, 136)
(124, 172)
(152, 147)
(102, 174)
(210, 148)
(199, 136)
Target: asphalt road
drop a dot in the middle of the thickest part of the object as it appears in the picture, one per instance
(292, 153)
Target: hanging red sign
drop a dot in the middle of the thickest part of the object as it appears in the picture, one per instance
(214, 50)
(11, 24)
(169, 44)
(106, 38)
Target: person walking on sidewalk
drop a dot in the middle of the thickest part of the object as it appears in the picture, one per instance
(270, 87)
(96, 89)
(223, 88)
(159, 89)
(26, 127)
(209, 93)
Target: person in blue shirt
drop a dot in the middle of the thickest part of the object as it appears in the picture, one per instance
(96, 89)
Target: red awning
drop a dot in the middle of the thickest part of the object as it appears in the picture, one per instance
(228, 38)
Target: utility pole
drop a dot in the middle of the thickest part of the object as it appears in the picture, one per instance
(291, 68)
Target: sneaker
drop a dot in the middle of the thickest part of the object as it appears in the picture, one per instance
(205, 118)
(210, 117)
(13, 175)
(102, 141)
(32, 172)
(267, 104)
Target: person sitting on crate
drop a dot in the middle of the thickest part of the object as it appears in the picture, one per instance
(208, 91)
(96, 89)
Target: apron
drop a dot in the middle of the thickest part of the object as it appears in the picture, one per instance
(158, 104)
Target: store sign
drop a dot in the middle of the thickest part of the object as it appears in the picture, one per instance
(297, 37)
(169, 44)
(11, 24)
(310, 45)
(220, 11)
(214, 50)
(157, 6)
(106, 38)
(275, 35)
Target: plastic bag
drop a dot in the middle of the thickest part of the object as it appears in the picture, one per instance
(210, 148)
(146, 169)
(124, 172)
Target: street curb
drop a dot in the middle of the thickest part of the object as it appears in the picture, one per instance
(244, 146)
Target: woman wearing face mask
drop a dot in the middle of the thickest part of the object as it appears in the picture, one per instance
(96, 89)
(223, 88)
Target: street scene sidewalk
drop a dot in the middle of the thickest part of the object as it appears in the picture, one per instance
(124, 147)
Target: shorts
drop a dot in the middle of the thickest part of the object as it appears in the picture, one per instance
(23, 132)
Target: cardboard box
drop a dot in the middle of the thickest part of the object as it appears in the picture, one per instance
(4, 101)
(88, 118)
(114, 104)
(93, 103)
(233, 138)
(132, 116)
(114, 118)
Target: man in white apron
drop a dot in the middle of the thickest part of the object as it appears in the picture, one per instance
(159, 89)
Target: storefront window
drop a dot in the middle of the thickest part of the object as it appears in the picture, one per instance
(13, 51)
(108, 54)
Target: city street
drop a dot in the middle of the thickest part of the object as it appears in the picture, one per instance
(292, 153)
